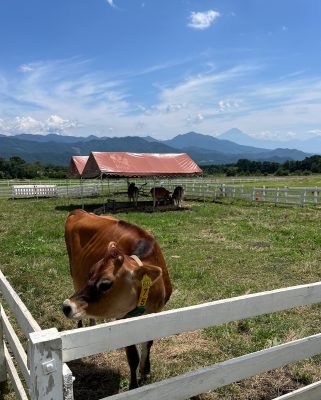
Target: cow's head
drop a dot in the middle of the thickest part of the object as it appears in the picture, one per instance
(113, 287)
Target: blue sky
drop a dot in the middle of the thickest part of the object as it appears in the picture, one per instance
(160, 68)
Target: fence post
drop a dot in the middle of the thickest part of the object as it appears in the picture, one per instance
(68, 380)
(286, 194)
(315, 196)
(3, 371)
(46, 376)
(253, 194)
(303, 197)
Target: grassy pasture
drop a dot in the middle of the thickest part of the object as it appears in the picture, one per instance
(213, 251)
(294, 180)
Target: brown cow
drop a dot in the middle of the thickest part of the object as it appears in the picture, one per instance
(178, 195)
(108, 259)
(160, 194)
(132, 193)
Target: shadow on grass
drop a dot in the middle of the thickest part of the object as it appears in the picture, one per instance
(93, 381)
(121, 207)
(75, 206)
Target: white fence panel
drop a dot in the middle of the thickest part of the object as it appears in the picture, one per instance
(225, 373)
(27, 325)
(310, 392)
(109, 336)
(49, 349)
(20, 191)
(20, 311)
(16, 347)
(14, 377)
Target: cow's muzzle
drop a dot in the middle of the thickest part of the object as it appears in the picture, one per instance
(72, 310)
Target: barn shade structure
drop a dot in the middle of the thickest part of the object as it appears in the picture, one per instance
(121, 164)
(76, 166)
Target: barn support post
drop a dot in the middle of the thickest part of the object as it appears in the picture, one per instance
(203, 187)
(82, 193)
(46, 367)
(3, 370)
(154, 198)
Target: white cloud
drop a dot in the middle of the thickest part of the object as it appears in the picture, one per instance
(111, 3)
(195, 119)
(202, 20)
(315, 132)
(67, 97)
(228, 105)
(25, 68)
(57, 124)
(27, 124)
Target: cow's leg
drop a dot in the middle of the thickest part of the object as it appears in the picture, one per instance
(92, 322)
(80, 324)
(144, 366)
(133, 361)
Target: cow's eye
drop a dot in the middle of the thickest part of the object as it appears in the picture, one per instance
(105, 285)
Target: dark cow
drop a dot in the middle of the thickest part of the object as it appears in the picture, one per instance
(132, 193)
(109, 259)
(160, 194)
(178, 195)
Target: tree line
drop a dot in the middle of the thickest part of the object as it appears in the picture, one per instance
(17, 168)
(247, 167)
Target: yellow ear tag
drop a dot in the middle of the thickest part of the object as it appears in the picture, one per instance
(146, 284)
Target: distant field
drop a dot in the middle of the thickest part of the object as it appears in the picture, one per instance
(305, 181)
(213, 251)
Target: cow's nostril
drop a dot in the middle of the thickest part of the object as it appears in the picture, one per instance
(66, 310)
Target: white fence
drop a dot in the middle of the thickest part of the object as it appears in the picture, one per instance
(60, 188)
(47, 377)
(26, 364)
(20, 191)
(201, 189)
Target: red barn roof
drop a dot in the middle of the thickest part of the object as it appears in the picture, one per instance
(76, 166)
(139, 164)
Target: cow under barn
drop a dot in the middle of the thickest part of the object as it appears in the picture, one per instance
(178, 195)
(132, 193)
(160, 194)
(112, 263)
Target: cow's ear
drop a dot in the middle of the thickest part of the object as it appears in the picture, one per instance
(151, 270)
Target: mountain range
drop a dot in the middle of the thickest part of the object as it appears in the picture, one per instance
(204, 149)
(310, 145)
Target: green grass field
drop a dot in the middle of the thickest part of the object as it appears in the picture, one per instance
(213, 251)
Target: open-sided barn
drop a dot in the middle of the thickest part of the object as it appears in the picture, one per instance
(76, 166)
(124, 164)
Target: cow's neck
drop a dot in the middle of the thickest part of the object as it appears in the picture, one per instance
(143, 297)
